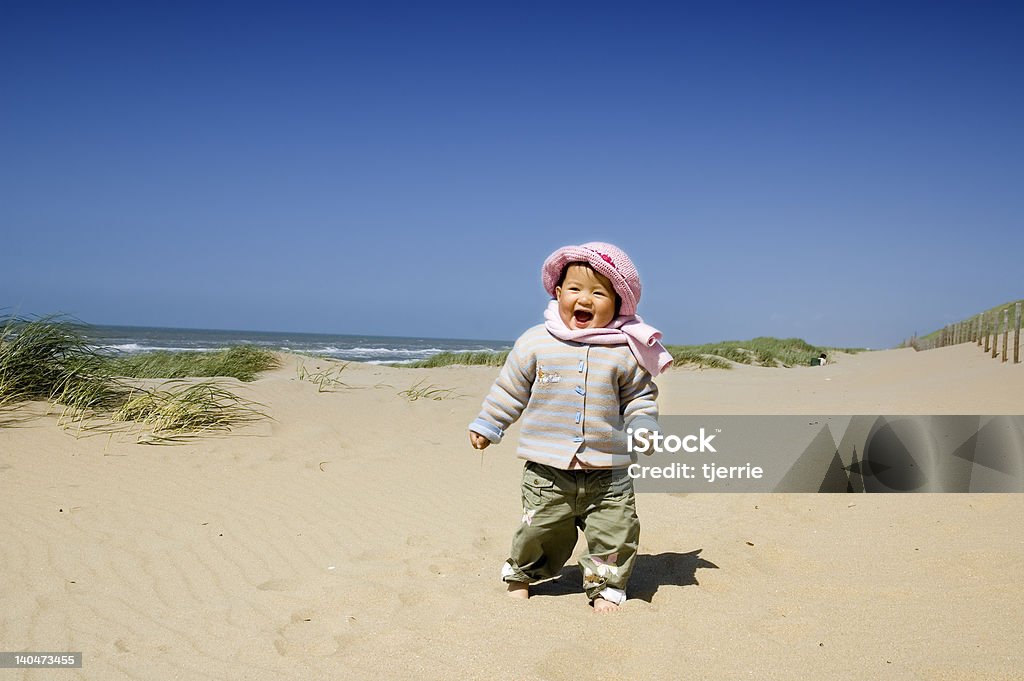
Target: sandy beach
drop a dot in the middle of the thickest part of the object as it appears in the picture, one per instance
(357, 535)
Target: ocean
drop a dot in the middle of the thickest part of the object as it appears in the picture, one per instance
(370, 349)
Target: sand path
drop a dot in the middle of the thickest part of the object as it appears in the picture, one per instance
(358, 536)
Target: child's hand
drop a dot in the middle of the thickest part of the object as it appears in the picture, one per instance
(478, 441)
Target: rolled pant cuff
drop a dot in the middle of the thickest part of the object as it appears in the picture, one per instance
(611, 594)
(616, 596)
(512, 574)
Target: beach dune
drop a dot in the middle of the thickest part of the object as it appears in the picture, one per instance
(358, 535)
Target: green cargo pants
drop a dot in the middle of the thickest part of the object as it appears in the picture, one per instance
(555, 503)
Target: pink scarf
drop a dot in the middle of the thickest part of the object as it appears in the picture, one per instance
(644, 340)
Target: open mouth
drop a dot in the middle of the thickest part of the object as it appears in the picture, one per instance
(582, 317)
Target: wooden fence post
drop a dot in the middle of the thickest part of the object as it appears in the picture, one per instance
(995, 334)
(984, 331)
(1006, 330)
(1016, 334)
(994, 330)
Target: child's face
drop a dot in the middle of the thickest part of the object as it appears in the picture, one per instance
(586, 299)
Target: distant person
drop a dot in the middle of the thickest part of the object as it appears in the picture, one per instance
(819, 361)
(578, 380)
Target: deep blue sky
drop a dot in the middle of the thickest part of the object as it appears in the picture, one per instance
(844, 173)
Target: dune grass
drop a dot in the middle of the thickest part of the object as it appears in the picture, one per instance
(683, 356)
(178, 411)
(326, 379)
(418, 391)
(243, 362)
(51, 359)
(444, 359)
(763, 351)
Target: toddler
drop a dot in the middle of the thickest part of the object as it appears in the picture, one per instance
(579, 380)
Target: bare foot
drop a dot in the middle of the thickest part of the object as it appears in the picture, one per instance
(602, 606)
(519, 590)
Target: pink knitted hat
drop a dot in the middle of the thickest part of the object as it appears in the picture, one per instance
(605, 259)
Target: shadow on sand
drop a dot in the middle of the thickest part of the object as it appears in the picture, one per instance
(649, 574)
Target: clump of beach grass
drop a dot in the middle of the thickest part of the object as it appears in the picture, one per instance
(51, 359)
(325, 379)
(243, 362)
(443, 359)
(178, 410)
(428, 392)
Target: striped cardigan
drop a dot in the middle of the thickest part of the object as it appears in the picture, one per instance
(578, 400)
